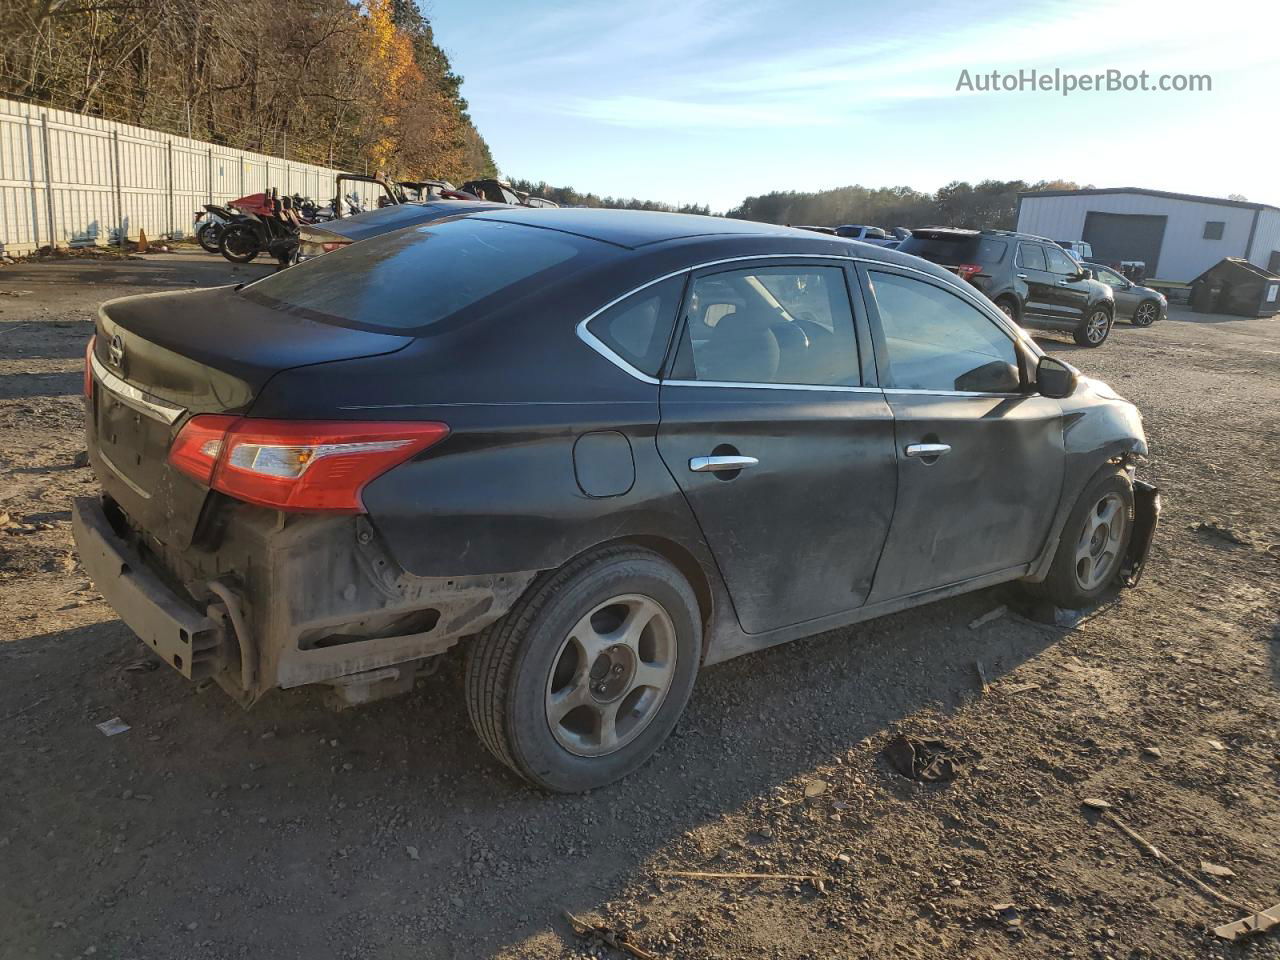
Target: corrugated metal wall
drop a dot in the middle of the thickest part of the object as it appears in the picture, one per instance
(1185, 253)
(79, 180)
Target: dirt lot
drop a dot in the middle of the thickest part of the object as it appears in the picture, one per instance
(292, 831)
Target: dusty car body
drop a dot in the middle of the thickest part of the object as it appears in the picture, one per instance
(600, 448)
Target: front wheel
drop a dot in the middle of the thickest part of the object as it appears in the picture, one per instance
(1146, 313)
(1095, 329)
(583, 680)
(239, 244)
(1093, 543)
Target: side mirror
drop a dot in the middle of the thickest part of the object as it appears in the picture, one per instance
(1086, 273)
(1055, 378)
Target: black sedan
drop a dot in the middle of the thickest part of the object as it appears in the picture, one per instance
(599, 450)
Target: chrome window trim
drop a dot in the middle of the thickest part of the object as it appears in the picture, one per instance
(910, 391)
(751, 385)
(988, 309)
(132, 397)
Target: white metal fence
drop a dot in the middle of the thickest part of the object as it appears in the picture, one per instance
(69, 180)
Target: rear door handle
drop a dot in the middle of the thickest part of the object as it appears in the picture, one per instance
(1022, 276)
(720, 464)
(928, 449)
(1064, 283)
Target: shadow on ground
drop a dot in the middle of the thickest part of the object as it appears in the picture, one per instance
(302, 817)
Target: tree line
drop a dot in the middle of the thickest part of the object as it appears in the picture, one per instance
(355, 85)
(989, 203)
(569, 197)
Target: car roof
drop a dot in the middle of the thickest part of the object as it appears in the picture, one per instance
(631, 228)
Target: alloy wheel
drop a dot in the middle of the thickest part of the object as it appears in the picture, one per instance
(1145, 315)
(1098, 549)
(611, 675)
(1098, 325)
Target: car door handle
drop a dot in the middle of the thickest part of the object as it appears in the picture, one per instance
(720, 464)
(1022, 276)
(1064, 283)
(928, 449)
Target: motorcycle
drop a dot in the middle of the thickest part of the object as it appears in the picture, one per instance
(209, 224)
(265, 223)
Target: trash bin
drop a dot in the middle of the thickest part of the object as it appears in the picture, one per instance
(1236, 286)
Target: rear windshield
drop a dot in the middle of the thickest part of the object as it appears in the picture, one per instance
(955, 248)
(418, 276)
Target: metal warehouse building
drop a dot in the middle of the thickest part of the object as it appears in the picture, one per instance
(1177, 235)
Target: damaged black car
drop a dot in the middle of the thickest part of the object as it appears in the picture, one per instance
(600, 450)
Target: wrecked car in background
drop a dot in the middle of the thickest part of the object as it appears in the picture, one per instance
(600, 449)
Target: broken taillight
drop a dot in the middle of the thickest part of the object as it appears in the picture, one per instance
(296, 465)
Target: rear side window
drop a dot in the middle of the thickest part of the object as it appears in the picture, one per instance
(418, 276)
(638, 328)
(785, 325)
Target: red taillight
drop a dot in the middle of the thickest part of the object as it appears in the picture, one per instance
(88, 366)
(332, 246)
(296, 465)
(968, 271)
(197, 447)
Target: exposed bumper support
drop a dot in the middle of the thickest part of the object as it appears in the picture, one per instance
(189, 641)
(1146, 514)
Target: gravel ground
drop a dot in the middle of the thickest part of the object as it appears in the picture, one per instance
(386, 832)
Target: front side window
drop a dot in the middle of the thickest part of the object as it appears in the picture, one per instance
(936, 340)
(786, 325)
(1060, 263)
(1110, 278)
(638, 328)
(1031, 256)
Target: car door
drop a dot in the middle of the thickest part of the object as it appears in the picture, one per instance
(1033, 270)
(979, 458)
(1071, 290)
(1121, 289)
(783, 448)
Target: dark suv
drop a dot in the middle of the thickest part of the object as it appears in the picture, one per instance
(1030, 278)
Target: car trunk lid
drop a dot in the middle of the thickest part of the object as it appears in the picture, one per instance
(160, 358)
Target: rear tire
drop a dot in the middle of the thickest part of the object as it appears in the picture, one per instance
(1145, 314)
(1009, 307)
(1095, 329)
(1093, 544)
(209, 236)
(586, 676)
(239, 245)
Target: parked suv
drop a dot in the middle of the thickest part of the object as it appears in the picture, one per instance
(1030, 278)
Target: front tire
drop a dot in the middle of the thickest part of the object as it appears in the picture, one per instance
(1093, 544)
(1095, 329)
(239, 245)
(1009, 307)
(586, 676)
(1146, 313)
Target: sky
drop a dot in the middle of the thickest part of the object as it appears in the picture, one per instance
(710, 101)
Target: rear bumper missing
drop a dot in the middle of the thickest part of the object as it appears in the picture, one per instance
(1146, 515)
(280, 601)
(191, 642)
